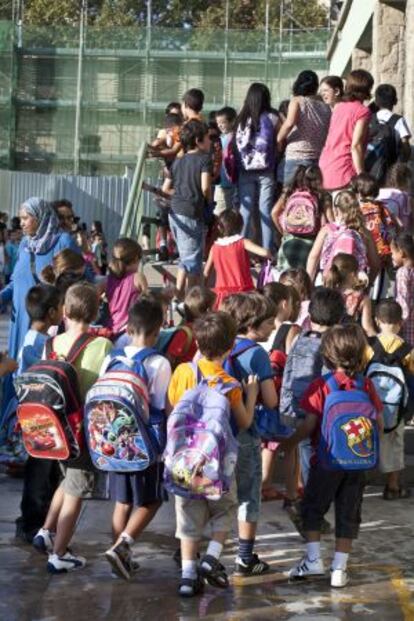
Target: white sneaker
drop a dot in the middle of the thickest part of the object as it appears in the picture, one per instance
(339, 578)
(43, 541)
(62, 564)
(306, 567)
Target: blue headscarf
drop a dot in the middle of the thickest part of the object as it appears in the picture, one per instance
(48, 231)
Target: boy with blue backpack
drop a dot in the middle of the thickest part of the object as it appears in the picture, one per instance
(343, 420)
(139, 492)
(206, 418)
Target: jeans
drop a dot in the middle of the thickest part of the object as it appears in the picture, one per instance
(259, 186)
(189, 237)
(287, 169)
(249, 477)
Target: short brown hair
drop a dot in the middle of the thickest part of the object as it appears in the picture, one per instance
(389, 311)
(248, 309)
(358, 86)
(215, 334)
(82, 303)
(125, 252)
(66, 260)
(343, 347)
(198, 302)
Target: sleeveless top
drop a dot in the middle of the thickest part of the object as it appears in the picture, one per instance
(232, 265)
(121, 294)
(307, 138)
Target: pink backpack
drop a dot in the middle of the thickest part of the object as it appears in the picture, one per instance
(301, 215)
(342, 240)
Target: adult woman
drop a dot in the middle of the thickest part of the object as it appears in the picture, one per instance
(331, 90)
(343, 155)
(256, 146)
(42, 240)
(305, 128)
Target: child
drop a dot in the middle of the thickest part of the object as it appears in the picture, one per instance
(167, 144)
(125, 282)
(215, 334)
(11, 250)
(66, 261)
(139, 495)
(343, 275)
(229, 257)
(299, 279)
(80, 308)
(224, 195)
(303, 364)
(388, 316)
(190, 187)
(343, 351)
(403, 259)
(254, 315)
(396, 195)
(87, 254)
(299, 214)
(192, 105)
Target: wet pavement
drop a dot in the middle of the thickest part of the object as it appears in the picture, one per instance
(381, 587)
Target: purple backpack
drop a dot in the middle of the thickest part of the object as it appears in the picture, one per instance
(201, 452)
(257, 149)
(266, 275)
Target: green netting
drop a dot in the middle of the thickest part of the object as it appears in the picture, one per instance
(128, 76)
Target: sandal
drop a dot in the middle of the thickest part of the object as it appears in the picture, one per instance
(214, 572)
(190, 587)
(271, 493)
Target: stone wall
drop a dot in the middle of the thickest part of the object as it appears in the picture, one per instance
(407, 71)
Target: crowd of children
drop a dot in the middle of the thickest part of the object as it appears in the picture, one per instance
(315, 363)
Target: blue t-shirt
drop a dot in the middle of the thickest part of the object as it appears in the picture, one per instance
(32, 350)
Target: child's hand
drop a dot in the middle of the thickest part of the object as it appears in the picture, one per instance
(251, 386)
(7, 365)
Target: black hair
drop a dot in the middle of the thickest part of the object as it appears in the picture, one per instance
(192, 132)
(283, 107)
(172, 120)
(306, 178)
(65, 280)
(389, 311)
(326, 306)
(40, 299)
(229, 222)
(62, 202)
(257, 101)
(194, 99)
(405, 243)
(386, 96)
(365, 185)
(145, 316)
(306, 84)
(228, 112)
(171, 106)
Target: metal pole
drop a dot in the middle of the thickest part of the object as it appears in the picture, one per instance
(147, 60)
(226, 51)
(282, 9)
(76, 144)
(267, 26)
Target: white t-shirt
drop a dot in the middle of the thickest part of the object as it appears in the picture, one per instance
(402, 128)
(159, 375)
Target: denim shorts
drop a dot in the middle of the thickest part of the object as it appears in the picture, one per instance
(189, 237)
(249, 477)
(287, 169)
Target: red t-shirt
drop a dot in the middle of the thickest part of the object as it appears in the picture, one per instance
(313, 401)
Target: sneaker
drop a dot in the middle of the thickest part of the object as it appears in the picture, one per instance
(339, 578)
(189, 587)
(120, 559)
(214, 572)
(62, 564)
(293, 509)
(253, 568)
(43, 541)
(306, 567)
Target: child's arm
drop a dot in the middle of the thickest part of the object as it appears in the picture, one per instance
(209, 264)
(256, 249)
(305, 430)
(277, 212)
(167, 186)
(374, 262)
(315, 254)
(140, 281)
(268, 394)
(206, 186)
(366, 319)
(244, 412)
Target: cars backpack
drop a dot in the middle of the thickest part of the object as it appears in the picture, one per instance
(201, 452)
(300, 216)
(386, 373)
(50, 410)
(303, 364)
(124, 434)
(349, 437)
(380, 224)
(343, 240)
(382, 148)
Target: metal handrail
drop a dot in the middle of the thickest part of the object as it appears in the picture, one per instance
(134, 210)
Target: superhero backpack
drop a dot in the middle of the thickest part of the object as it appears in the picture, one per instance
(349, 437)
(386, 373)
(300, 217)
(382, 148)
(50, 410)
(380, 224)
(124, 434)
(343, 240)
(201, 452)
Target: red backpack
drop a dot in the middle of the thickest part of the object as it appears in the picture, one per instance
(278, 356)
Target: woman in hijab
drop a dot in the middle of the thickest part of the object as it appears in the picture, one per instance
(42, 240)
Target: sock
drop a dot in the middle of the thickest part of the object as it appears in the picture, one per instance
(313, 550)
(214, 549)
(189, 569)
(127, 538)
(340, 560)
(43, 531)
(246, 549)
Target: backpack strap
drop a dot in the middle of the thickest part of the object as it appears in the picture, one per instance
(242, 346)
(384, 357)
(49, 348)
(393, 120)
(197, 371)
(279, 343)
(331, 382)
(78, 346)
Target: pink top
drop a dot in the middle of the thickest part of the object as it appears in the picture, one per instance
(121, 294)
(336, 158)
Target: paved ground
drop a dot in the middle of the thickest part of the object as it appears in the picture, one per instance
(381, 589)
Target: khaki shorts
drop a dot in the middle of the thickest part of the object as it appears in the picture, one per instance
(79, 483)
(392, 450)
(194, 515)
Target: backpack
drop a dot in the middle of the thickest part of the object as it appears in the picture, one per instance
(349, 437)
(341, 239)
(382, 149)
(386, 373)
(124, 434)
(165, 338)
(267, 274)
(201, 452)
(50, 410)
(301, 214)
(304, 363)
(257, 149)
(230, 161)
(380, 224)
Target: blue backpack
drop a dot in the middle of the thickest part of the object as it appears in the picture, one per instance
(349, 432)
(124, 433)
